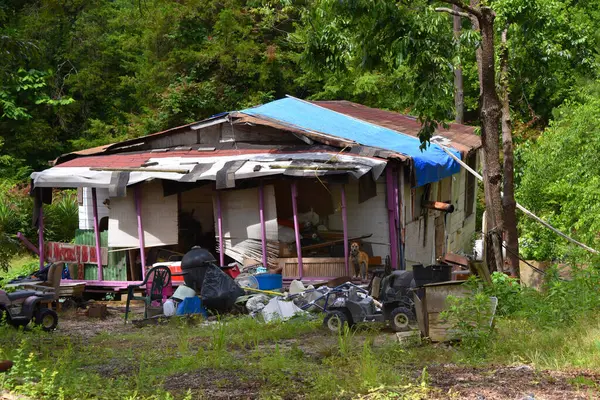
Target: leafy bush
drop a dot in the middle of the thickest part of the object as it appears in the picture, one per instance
(16, 208)
(560, 180)
(469, 317)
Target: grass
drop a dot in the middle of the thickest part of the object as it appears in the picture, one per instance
(242, 357)
(278, 360)
(19, 265)
(281, 360)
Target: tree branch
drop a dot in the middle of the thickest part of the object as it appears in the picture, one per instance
(452, 12)
(466, 8)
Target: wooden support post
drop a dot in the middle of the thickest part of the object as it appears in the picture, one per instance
(97, 234)
(345, 230)
(263, 229)
(389, 181)
(41, 235)
(138, 211)
(297, 229)
(220, 229)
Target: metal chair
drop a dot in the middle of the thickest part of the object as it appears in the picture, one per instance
(157, 279)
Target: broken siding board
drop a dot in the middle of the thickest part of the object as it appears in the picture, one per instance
(159, 216)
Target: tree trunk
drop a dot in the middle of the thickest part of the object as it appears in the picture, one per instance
(508, 200)
(475, 23)
(490, 112)
(459, 102)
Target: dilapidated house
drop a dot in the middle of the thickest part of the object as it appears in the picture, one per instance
(289, 184)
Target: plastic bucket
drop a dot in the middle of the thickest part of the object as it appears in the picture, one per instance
(269, 281)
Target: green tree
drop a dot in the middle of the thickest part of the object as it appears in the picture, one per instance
(560, 180)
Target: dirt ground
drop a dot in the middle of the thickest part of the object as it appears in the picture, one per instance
(520, 382)
(447, 381)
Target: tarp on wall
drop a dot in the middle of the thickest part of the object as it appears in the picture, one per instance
(431, 165)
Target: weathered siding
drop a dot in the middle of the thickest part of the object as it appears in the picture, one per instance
(86, 210)
(370, 217)
(458, 229)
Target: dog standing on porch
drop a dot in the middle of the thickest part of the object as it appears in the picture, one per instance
(360, 260)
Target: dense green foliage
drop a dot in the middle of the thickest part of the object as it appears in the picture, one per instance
(83, 73)
(558, 304)
(61, 219)
(560, 179)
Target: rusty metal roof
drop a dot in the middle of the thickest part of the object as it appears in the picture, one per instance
(462, 137)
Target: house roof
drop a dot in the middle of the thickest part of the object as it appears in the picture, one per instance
(430, 165)
(365, 131)
(116, 171)
(461, 137)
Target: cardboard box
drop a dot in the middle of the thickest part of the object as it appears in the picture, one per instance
(97, 311)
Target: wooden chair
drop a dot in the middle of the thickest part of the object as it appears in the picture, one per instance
(157, 279)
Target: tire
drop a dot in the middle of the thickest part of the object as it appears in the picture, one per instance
(335, 321)
(47, 319)
(400, 319)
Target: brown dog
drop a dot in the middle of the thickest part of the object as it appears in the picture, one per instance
(360, 260)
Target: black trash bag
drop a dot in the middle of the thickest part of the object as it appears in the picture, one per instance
(219, 291)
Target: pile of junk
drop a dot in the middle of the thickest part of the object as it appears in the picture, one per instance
(208, 289)
(387, 298)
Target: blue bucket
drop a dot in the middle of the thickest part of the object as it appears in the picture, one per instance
(269, 281)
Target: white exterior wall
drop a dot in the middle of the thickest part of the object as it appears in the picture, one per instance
(370, 217)
(159, 218)
(86, 210)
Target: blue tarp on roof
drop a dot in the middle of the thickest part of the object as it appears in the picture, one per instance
(430, 165)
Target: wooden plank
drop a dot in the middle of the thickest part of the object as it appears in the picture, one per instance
(436, 295)
(334, 242)
(329, 267)
(439, 330)
(421, 314)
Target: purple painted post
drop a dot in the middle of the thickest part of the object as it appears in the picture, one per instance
(220, 229)
(397, 215)
(297, 229)
(263, 229)
(389, 181)
(97, 235)
(138, 211)
(402, 218)
(345, 229)
(41, 235)
(27, 243)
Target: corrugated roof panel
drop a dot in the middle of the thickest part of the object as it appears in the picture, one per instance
(431, 165)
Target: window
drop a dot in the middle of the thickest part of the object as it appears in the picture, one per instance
(470, 185)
